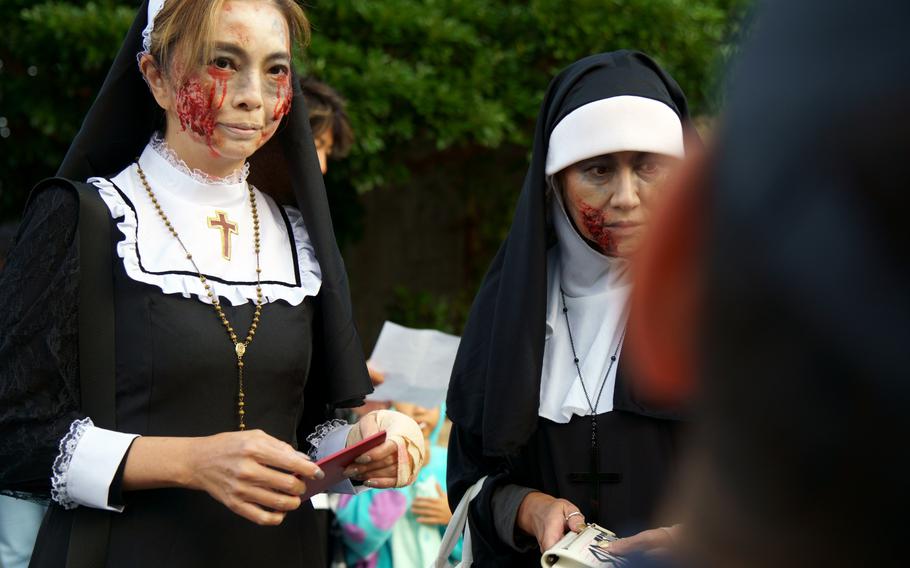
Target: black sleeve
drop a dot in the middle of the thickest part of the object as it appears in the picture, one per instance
(467, 464)
(318, 407)
(507, 500)
(39, 378)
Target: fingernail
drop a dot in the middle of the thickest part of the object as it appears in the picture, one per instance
(319, 474)
(350, 472)
(368, 483)
(363, 459)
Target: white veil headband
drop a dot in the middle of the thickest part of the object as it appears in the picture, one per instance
(154, 7)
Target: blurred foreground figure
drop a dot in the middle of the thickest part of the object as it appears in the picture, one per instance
(804, 358)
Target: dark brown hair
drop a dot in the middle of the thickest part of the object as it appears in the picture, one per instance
(327, 111)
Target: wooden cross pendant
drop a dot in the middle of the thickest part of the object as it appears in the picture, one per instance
(220, 221)
(595, 477)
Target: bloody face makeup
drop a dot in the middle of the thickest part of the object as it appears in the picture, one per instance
(228, 108)
(198, 104)
(610, 198)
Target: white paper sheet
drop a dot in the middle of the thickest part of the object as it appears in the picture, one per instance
(416, 363)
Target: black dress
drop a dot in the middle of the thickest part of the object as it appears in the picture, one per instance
(638, 451)
(176, 376)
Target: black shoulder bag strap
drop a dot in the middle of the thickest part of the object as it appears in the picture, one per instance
(91, 527)
(90, 532)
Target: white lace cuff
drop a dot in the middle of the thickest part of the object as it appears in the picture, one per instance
(60, 476)
(319, 435)
(86, 465)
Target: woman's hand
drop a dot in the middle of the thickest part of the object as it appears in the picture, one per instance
(396, 462)
(432, 510)
(547, 518)
(653, 541)
(251, 473)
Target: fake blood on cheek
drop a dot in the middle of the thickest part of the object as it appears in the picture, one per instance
(285, 94)
(198, 103)
(596, 226)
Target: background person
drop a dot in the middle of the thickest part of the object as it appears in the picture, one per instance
(402, 528)
(329, 121)
(542, 399)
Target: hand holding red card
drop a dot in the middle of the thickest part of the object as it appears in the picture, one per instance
(335, 465)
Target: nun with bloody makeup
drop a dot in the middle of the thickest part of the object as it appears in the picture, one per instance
(543, 398)
(174, 341)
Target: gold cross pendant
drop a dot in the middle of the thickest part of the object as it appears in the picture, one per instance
(227, 227)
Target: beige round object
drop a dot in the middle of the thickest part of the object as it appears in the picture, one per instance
(400, 429)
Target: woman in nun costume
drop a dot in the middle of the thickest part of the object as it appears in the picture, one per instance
(542, 399)
(232, 337)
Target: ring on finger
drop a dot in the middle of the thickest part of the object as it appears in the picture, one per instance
(572, 514)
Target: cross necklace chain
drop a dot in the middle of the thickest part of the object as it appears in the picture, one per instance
(594, 476)
(239, 346)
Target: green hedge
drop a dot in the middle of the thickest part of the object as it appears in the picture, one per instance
(424, 77)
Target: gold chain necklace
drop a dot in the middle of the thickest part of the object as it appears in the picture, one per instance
(239, 346)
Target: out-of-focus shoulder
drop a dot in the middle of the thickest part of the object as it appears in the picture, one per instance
(52, 210)
(56, 198)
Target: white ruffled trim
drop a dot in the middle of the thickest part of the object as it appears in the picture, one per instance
(158, 144)
(322, 431)
(153, 9)
(62, 462)
(187, 286)
(306, 255)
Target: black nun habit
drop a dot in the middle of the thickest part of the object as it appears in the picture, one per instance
(176, 372)
(494, 396)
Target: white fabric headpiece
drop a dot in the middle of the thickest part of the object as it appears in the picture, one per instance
(615, 124)
(154, 7)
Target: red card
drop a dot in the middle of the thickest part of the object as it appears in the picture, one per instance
(334, 465)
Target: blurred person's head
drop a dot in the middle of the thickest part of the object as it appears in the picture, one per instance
(804, 323)
(426, 418)
(328, 120)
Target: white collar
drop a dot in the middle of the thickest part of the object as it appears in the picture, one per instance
(583, 272)
(586, 272)
(151, 255)
(597, 288)
(160, 161)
